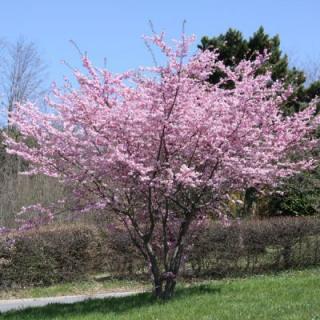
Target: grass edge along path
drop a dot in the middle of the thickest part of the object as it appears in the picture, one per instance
(289, 295)
(84, 287)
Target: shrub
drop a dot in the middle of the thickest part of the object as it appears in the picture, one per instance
(255, 246)
(123, 258)
(48, 255)
(58, 253)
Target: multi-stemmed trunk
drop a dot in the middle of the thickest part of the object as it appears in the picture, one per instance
(164, 283)
(164, 288)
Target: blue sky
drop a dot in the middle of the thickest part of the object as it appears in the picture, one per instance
(113, 29)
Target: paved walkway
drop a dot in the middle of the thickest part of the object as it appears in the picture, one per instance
(15, 304)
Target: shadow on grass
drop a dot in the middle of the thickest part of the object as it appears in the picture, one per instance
(105, 306)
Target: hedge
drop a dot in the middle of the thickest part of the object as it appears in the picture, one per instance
(256, 246)
(48, 255)
(65, 253)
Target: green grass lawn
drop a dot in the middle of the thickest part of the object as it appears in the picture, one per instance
(290, 295)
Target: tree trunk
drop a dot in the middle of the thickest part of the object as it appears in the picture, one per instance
(164, 283)
(286, 253)
(169, 288)
(164, 288)
(157, 287)
(156, 274)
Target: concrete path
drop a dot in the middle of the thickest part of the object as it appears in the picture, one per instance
(15, 304)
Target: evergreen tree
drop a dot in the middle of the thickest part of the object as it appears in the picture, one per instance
(300, 196)
(233, 47)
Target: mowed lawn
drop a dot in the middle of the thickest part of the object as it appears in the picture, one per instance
(290, 295)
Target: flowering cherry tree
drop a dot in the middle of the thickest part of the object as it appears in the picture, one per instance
(160, 147)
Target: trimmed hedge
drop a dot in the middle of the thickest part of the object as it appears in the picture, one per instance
(48, 255)
(123, 258)
(256, 246)
(56, 254)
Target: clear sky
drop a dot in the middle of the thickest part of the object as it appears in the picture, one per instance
(113, 29)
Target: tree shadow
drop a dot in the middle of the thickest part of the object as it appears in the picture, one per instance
(117, 305)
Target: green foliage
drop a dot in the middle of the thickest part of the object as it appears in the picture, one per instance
(233, 47)
(301, 195)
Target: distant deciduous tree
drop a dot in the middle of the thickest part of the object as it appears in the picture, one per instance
(22, 73)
